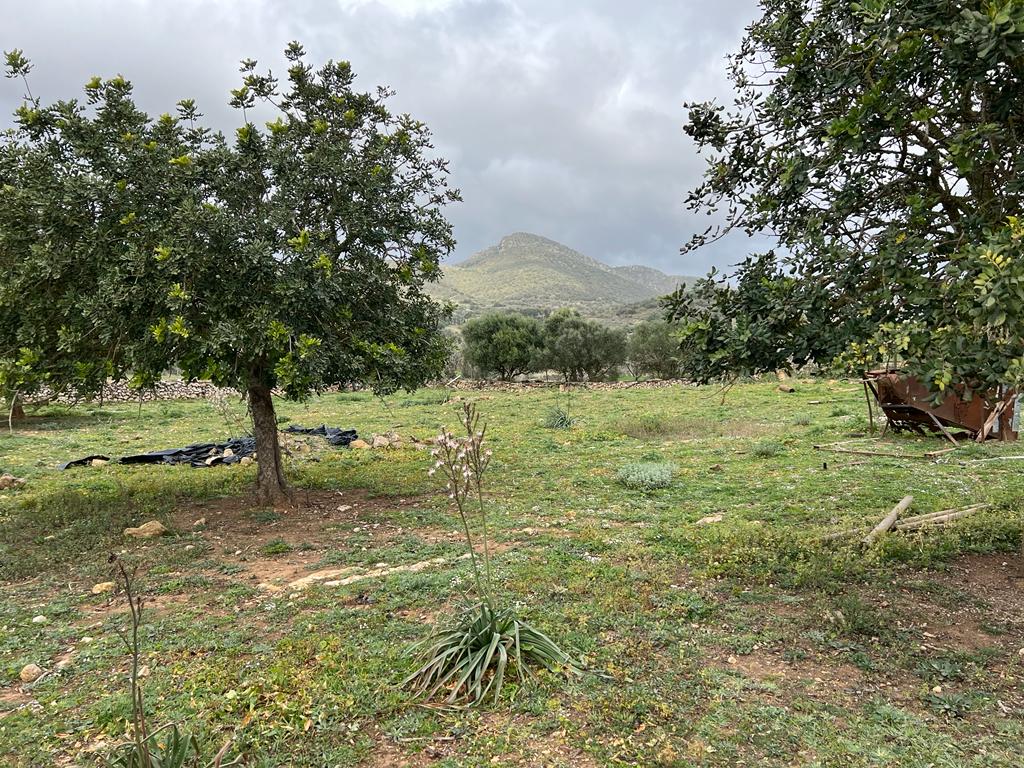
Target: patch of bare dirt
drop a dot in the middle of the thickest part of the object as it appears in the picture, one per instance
(993, 589)
(12, 699)
(235, 528)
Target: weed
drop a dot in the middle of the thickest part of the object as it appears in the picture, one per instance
(940, 668)
(949, 704)
(167, 746)
(802, 420)
(276, 547)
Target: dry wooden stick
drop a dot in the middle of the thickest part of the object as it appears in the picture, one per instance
(910, 525)
(835, 448)
(887, 522)
(918, 521)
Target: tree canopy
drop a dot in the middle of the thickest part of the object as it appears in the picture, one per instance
(880, 142)
(653, 350)
(288, 256)
(503, 343)
(582, 349)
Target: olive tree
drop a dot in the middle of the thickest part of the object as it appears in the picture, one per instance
(582, 349)
(653, 350)
(287, 257)
(504, 343)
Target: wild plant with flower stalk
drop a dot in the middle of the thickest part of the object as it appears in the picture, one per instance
(466, 660)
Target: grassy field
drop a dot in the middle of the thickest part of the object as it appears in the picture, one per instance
(746, 641)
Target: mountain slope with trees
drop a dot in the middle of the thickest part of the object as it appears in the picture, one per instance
(533, 274)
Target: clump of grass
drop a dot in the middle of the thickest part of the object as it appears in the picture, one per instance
(276, 547)
(766, 449)
(802, 420)
(646, 475)
(558, 417)
(647, 425)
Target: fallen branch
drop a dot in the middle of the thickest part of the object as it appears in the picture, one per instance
(938, 518)
(887, 522)
(912, 523)
(836, 448)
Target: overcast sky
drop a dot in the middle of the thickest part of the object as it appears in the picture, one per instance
(559, 118)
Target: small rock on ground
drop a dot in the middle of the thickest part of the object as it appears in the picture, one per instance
(709, 519)
(147, 530)
(8, 481)
(103, 586)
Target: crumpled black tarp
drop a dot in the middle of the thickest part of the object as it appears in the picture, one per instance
(212, 454)
(334, 435)
(83, 461)
(198, 454)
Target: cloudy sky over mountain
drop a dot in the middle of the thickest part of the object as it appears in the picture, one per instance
(560, 118)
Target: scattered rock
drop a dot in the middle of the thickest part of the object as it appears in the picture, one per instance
(715, 468)
(359, 444)
(228, 452)
(245, 461)
(380, 441)
(144, 670)
(200, 523)
(30, 673)
(103, 586)
(344, 507)
(148, 530)
(39, 619)
(64, 663)
(709, 519)
(786, 388)
(8, 481)
(98, 462)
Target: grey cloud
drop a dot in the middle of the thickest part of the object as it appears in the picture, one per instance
(561, 118)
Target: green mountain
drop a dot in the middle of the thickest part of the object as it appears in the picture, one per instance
(533, 274)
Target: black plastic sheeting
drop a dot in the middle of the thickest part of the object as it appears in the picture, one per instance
(334, 435)
(83, 461)
(212, 454)
(199, 454)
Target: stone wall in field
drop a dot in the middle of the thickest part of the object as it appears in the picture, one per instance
(120, 392)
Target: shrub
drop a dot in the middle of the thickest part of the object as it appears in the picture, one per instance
(646, 475)
(766, 449)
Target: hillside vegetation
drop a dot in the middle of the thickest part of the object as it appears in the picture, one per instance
(533, 274)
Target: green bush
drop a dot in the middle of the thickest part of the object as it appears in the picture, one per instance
(646, 475)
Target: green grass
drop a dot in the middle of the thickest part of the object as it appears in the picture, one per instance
(743, 641)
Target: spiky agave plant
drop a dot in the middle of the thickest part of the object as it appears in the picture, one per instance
(467, 658)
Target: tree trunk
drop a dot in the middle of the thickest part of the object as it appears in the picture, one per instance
(17, 412)
(270, 483)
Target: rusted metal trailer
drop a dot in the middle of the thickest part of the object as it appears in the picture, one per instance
(908, 405)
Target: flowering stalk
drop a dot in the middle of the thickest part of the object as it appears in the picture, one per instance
(462, 461)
